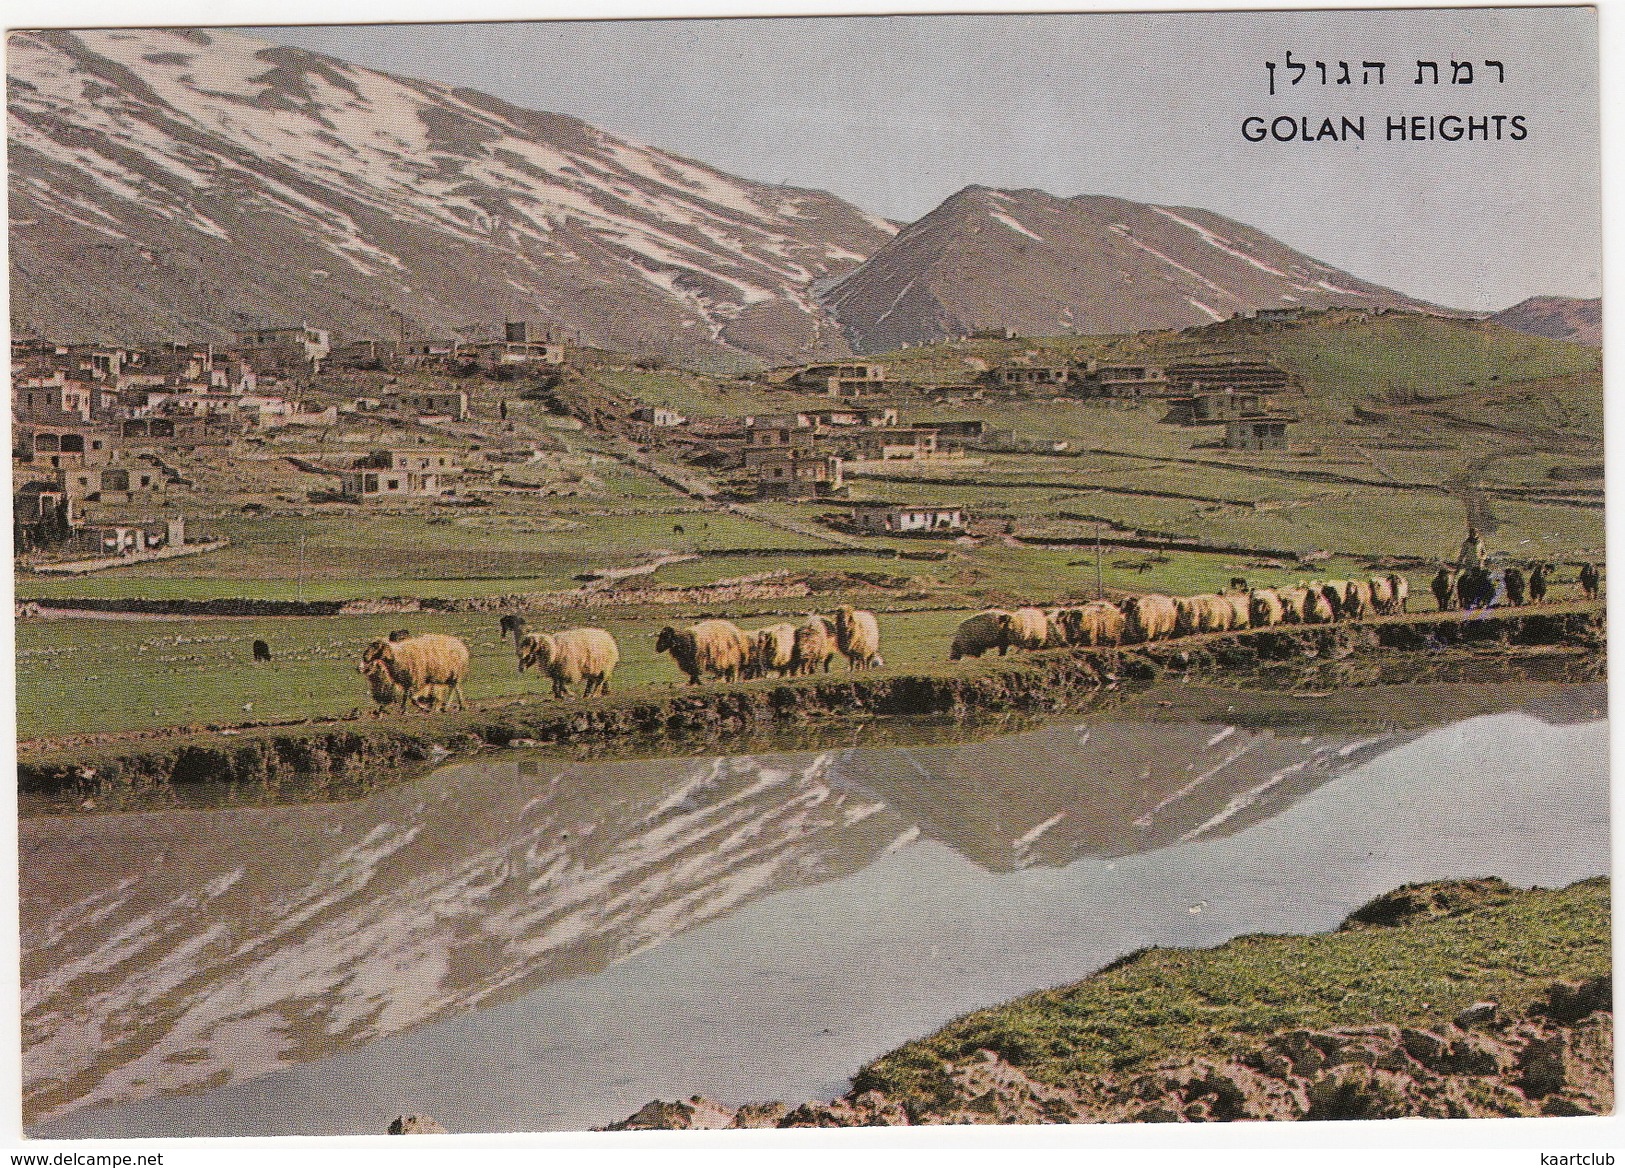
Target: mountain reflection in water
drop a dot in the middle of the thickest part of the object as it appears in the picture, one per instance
(171, 952)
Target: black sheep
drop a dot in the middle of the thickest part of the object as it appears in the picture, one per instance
(1590, 581)
(1537, 582)
(262, 651)
(1444, 589)
(1475, 588)
(1512, 579)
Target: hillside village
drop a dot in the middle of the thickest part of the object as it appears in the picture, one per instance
(129, 454)
(317, 482)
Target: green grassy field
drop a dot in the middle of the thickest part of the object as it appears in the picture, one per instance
(79, 676)
(1169, 1003)
(474, 553)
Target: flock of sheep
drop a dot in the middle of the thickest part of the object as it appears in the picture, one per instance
(428, 670)
(1152, 617)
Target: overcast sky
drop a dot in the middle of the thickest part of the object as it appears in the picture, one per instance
(897, 113)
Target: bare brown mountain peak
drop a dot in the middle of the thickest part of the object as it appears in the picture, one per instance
(1560, 318)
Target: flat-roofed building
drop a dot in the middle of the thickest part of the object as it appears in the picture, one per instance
(908, 518)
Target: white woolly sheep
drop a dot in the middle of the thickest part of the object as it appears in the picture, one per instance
(718, 647)
(857, 636)
(574, 655)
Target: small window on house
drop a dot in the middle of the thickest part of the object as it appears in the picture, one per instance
(393, 485)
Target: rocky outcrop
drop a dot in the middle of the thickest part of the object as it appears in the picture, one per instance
(1554, 1058)
(415, 1125)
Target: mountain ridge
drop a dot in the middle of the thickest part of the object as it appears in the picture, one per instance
(188, 184)
(232, 181)
(1108, 265)
(1558, 318)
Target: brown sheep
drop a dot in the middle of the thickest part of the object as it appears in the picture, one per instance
(1206, 613)
(1061, 624)
(1356, 599)
(1317, 610)
(574, 655)
(1029, 628)
(386, 693)
(1292, 602)
(1336, 593)
(718, 647)
(815, 645)
(857, 636)
(1097, 623)
(1148, 617)
(986, 630)
(1402, 591)
(1264, 608)
(417, 663)
(773, 648)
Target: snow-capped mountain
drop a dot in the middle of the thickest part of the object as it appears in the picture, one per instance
(180, 183)
(1044, 265)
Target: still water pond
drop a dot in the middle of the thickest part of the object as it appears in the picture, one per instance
(535, 944)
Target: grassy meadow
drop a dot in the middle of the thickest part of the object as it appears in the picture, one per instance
(1166, 1003)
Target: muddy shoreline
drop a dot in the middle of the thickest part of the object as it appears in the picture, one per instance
(1563, 646)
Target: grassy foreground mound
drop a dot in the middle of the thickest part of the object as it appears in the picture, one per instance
(1456, 999)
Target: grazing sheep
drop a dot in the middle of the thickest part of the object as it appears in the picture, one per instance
(1241, 608)
(857, 636)
(1264, 608)
(1336, 593)
(1204, 613)
(1060, 622)
(1513, 580)
(1590, 581)
(718, 647)
(1317, 610)
(1356, 599)
(417, 663)
(1029, 628)
(1097, 623)
(1444, 588)
(1402, 591)
(815, 645)
(773, 648)
(1148, 617)
(986, 630)
(262, 651)
(1537, 582)
(1382, 595)
(574, 655)
(382, 687)
(1292, 602)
